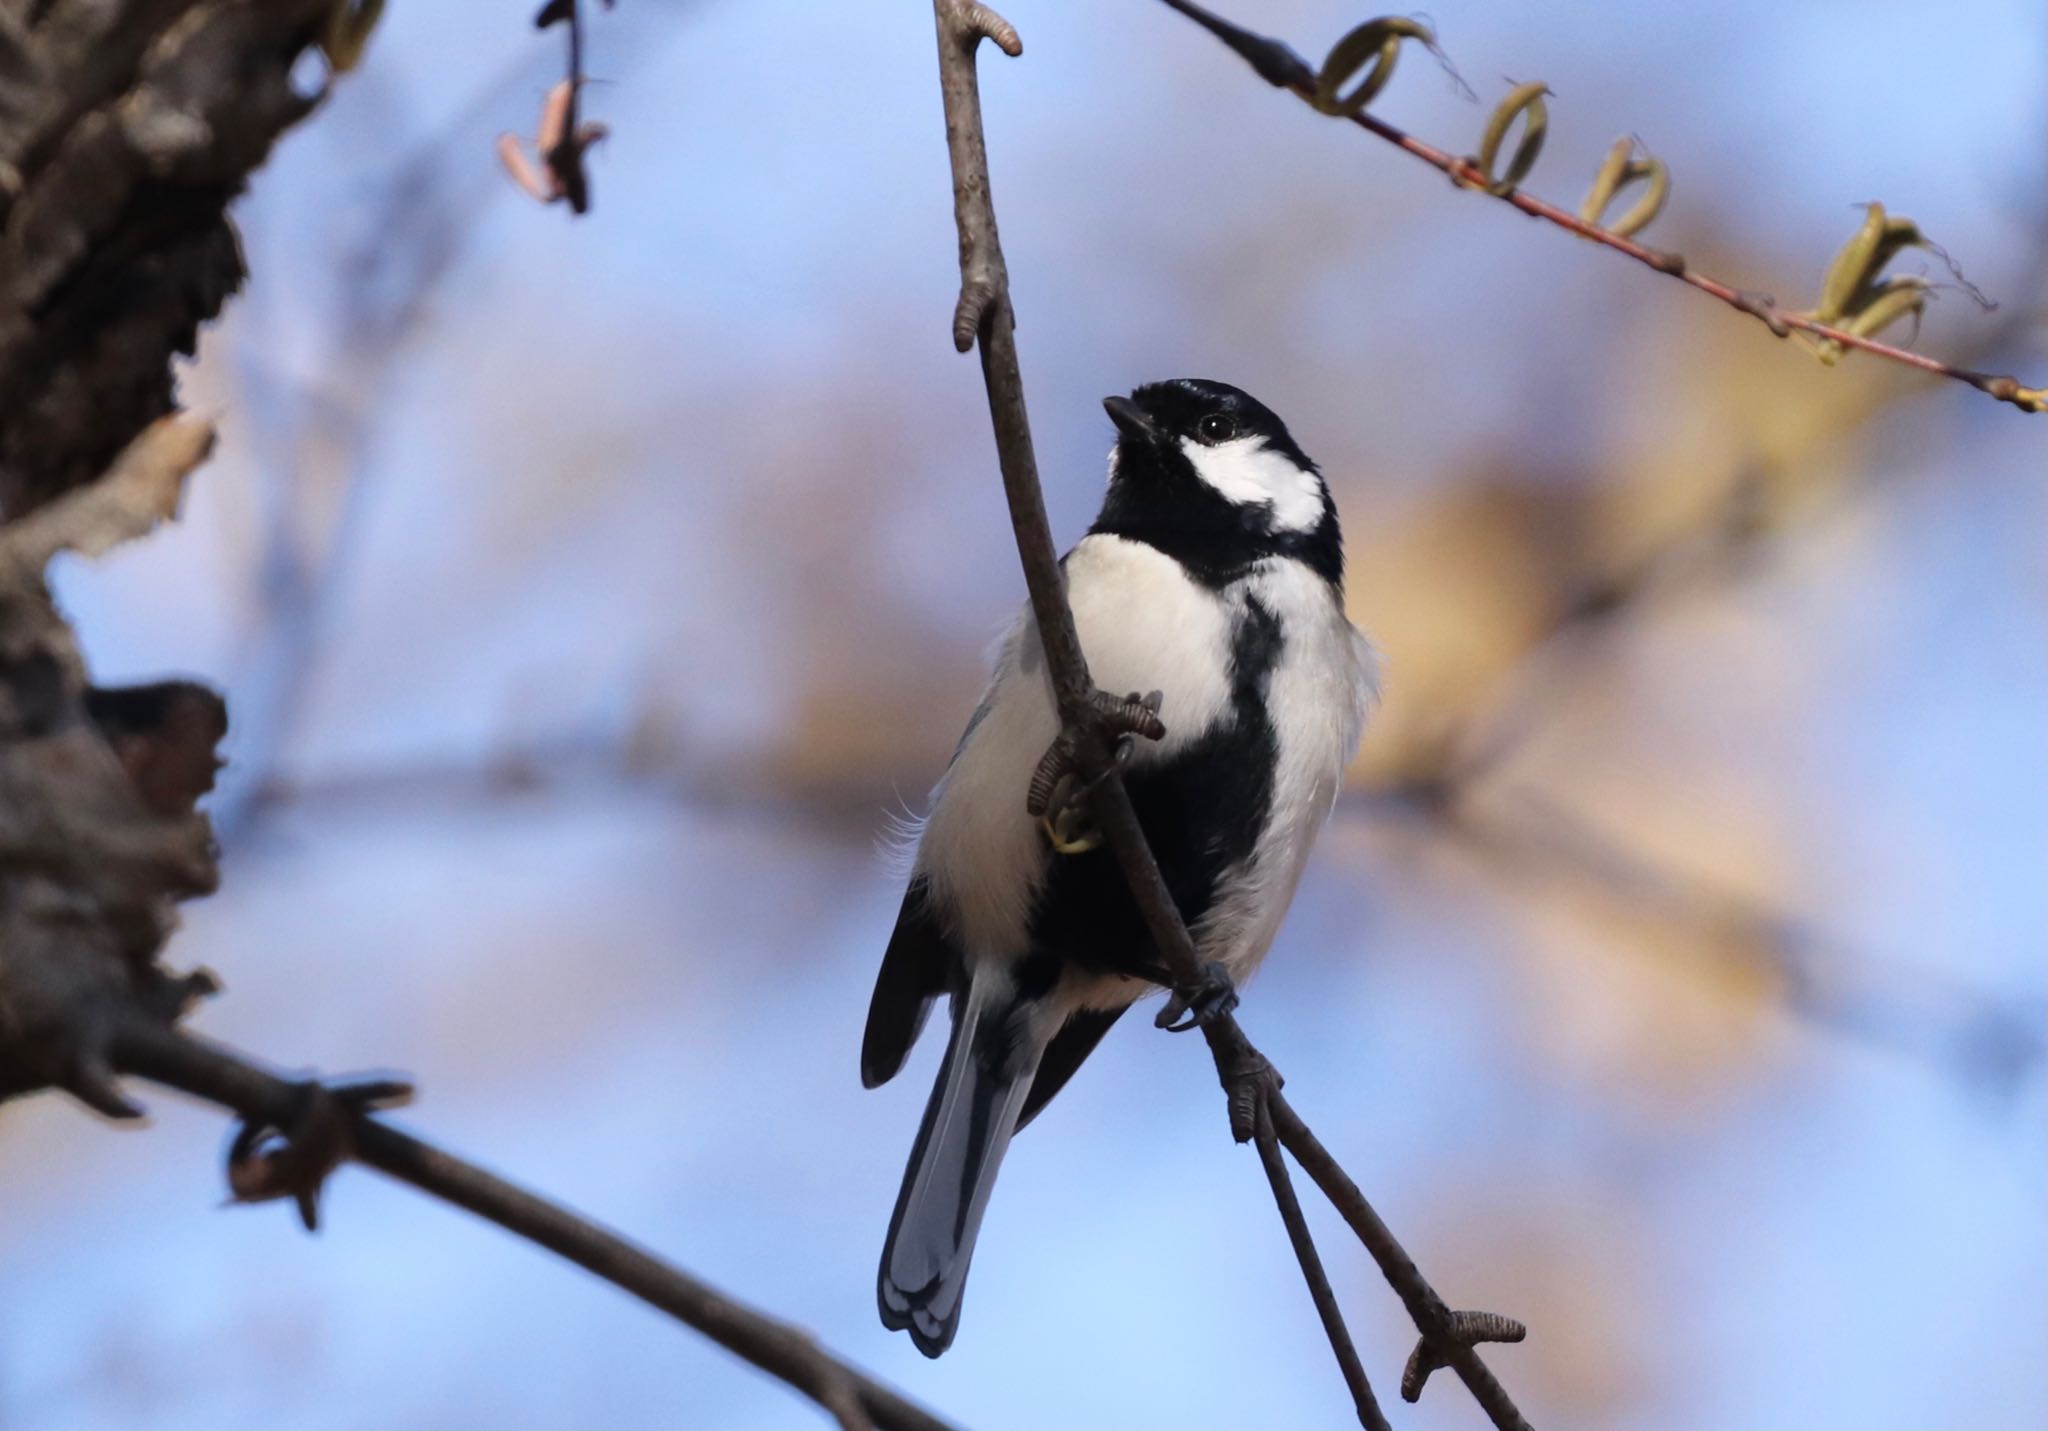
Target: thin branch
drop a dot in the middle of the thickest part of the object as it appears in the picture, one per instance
(1916, 1011)
(564, 138)
(1966, 1031)
(1718, 543)
(1446, 1335)
(563, 152)
(985, 316)
(1369, 1414)
(1957, 1027)
(1279, 65)
(318, 438)
(218, 1075)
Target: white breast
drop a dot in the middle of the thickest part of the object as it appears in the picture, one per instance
(1144, 626)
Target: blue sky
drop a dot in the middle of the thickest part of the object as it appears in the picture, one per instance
(702, 475)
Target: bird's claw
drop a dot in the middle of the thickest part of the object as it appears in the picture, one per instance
(1213, 997)
(1059, 796)
(269, 1160)
(1066, 826)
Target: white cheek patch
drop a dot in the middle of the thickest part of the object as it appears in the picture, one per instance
(1247, 471)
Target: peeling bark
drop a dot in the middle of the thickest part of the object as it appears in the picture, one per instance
(126, 128)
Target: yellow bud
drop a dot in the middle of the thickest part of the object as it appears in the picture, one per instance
(1527, 101)
(1376, 42)
(1621, 169)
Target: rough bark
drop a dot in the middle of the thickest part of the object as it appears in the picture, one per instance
(126, 128)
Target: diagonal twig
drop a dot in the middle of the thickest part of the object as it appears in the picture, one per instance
(1277, 63)
(985, 319)
(1369, 1414)
(207, 1070)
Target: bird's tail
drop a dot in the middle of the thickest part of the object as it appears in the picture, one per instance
(967, 1126)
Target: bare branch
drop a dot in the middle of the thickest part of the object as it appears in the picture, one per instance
(984, 314)
(1280, 66)
(1369, 1414)
(1432, 1317)
(264, 1100)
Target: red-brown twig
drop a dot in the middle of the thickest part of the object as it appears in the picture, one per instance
(983, 318)
(1278, 64)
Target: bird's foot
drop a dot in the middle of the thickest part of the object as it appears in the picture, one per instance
(1059, 795)
(1212, 997)
(1067, 827)
(292, 1159)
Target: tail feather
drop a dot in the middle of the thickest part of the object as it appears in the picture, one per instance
(973, 1110)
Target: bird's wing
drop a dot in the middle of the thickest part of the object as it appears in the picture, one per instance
(920, 964)
(921, 961)
(1068, 1050)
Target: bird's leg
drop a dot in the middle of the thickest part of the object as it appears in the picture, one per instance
(1059, 797)
(1060, 792)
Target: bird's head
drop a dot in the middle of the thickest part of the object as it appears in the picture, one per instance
(1210, 474)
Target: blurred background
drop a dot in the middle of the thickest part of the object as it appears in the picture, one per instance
(588, 593)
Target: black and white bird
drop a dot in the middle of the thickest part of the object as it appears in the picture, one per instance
(1213, 575)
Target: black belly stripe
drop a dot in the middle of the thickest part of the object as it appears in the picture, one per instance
(1201, 812)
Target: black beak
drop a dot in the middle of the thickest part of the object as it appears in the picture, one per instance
(1131, 420)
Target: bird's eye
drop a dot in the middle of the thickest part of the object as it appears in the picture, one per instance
(1216, 427)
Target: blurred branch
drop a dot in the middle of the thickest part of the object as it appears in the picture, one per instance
(295, 1133)
(1898, 1007)
(1714, 544)
(125, 129)
(1853, 292)
(1958, 1027)
(126, 126)
(317, 441)
(1092, 721)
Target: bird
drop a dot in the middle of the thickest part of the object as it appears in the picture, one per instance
(1213, 576)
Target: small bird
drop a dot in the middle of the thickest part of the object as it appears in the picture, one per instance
(1213, 576)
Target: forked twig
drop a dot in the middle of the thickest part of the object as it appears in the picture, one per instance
(1369, 1414)
(984, 318)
